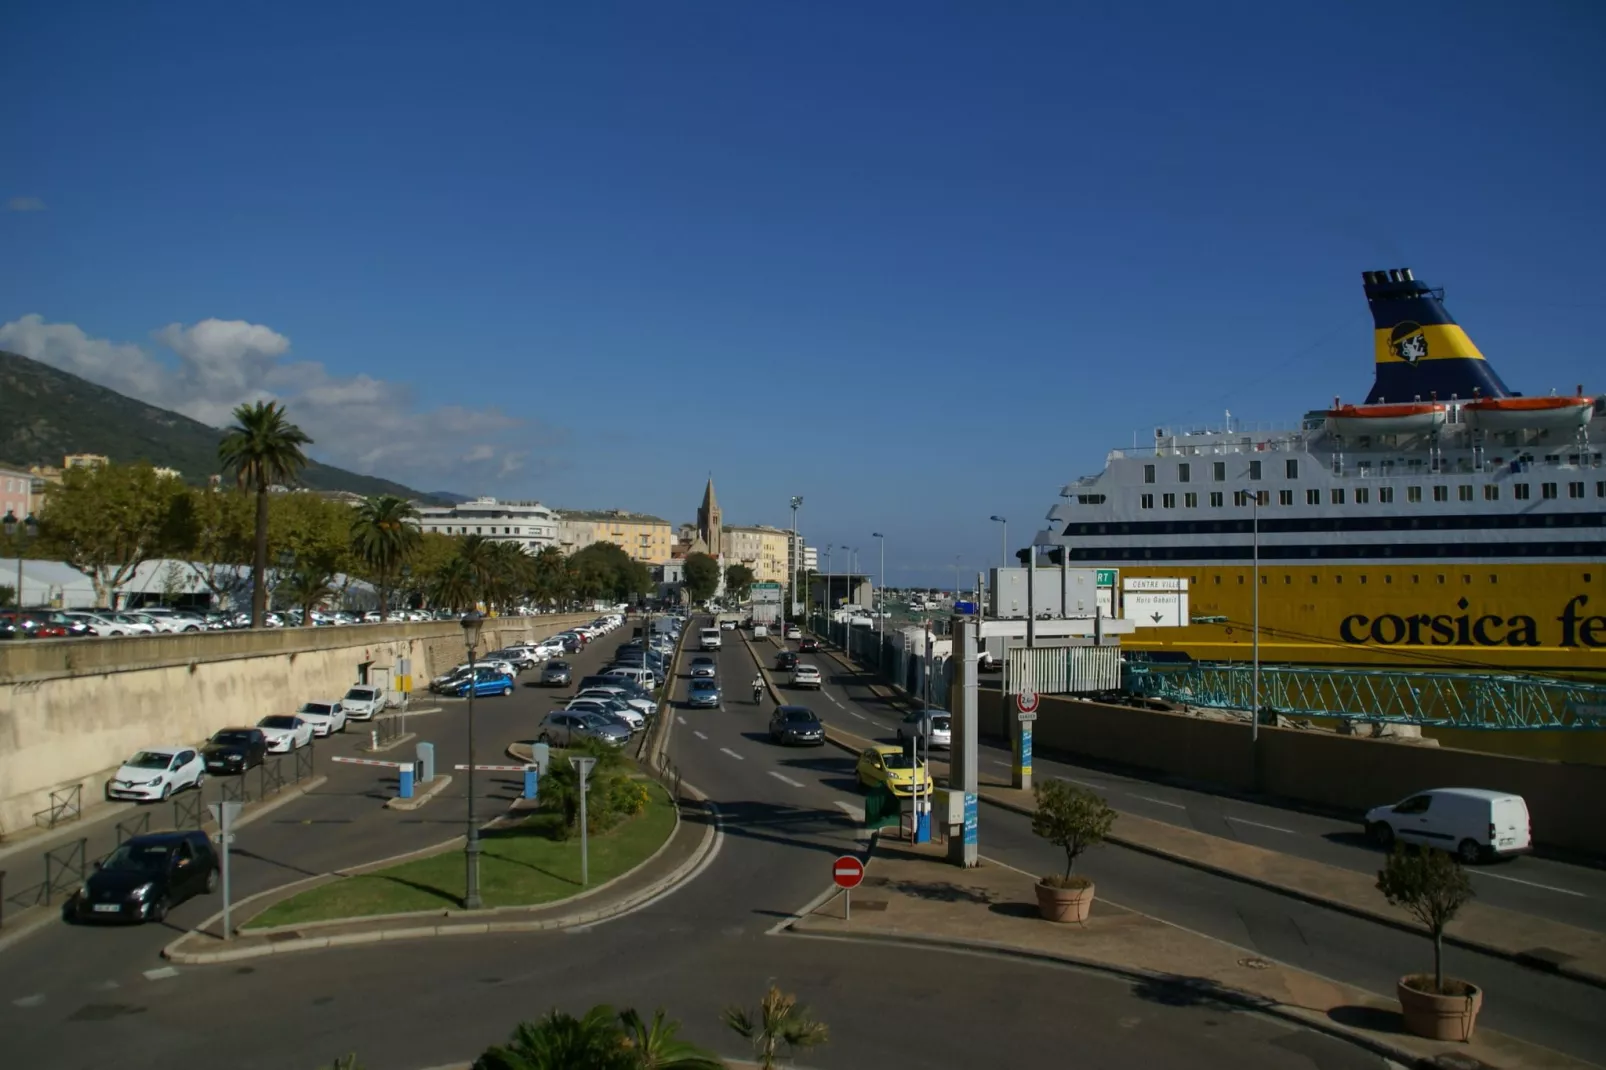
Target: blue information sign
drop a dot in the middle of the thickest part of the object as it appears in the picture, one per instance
(970, 817)
(1026, 747)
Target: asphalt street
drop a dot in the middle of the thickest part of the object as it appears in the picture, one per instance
(784, 815)
(1540, 1007)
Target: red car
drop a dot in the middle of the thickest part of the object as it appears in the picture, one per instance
(35, 626)
(808, 644)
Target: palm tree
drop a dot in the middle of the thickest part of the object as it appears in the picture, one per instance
(656, 1048)
(384, 534)
(549, 576)
(454, 586)
(308, 585)
(263, 449)
(478, 554)
(781, 1021)
(563, 1042)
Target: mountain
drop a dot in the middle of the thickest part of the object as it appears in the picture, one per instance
(449, 497)
(46, 414)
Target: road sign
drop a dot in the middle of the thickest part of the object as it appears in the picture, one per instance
(1104, 577)
(1026, 702)
(1156, 609)
(1155, 583)
(224, 813)
(847, 871)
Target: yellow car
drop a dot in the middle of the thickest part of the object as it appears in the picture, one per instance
(889, 765)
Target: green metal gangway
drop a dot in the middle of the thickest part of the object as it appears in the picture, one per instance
(1382, 696)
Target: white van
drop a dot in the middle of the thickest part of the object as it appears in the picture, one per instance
(709, 637)
(760, 631)
(1471, 823)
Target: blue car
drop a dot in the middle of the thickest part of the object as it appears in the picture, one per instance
(702, 692)
(487, 683)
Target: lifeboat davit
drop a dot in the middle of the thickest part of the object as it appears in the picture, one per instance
(1520, 414)
(1387, 419)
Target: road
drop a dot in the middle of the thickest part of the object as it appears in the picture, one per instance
(1540, 1007)
(702, 947)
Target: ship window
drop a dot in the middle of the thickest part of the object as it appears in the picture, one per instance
(1218, 471)
(1287, 579)
(1600, 488)
(1240, 581)
(1338, 495)
(1546, 490)
(1363, 577)
(1240, 498)
(1441, 493)
(1313, 497)
(1491, 492)
(1338, 578)
(1440, 577)
(1148, 473)
(1493, 578)
(1148, 501)
(1388, 577)
(1575, 490)
(1291, 468)
(1090, 499)
(1254, 469)
(1285, 497)
(1265, 580)
(1415, 578)
(1413, 494)
(1363, 495)
(1190, 500)
(1184, 472)
(1169, 501)
(1215, 499)
(1464, 492)
(1385, 495)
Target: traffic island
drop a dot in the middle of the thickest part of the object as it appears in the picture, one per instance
(910, 895)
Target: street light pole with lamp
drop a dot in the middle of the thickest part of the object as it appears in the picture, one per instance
(880, 616)
(1003, 541)
(20, 531)
(472, 622)
(797, 564)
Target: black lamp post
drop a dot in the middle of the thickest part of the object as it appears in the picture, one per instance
(28, 529)
(472, 622)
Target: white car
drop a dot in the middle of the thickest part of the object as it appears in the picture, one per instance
(362, 701)
(157, 773)
(172, 622)
(794, 632)
(99, 625)
(134, 623)
(644, 706)
(285, 733)
(326, 718)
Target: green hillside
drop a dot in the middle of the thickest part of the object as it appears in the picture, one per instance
(46, 414)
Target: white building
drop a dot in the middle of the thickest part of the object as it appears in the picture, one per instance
(531, 525)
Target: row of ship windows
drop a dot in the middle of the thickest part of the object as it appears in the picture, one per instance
(1388, 578)
(1111, 554)
(1218, 469)
(1361, 495)
(462, 529)
(1274, 523)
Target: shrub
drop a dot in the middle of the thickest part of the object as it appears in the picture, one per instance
(1433, 887)
(1072, 818)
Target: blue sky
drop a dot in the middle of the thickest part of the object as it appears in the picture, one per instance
(918, 262)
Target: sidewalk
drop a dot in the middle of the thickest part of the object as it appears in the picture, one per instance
(911, 895)
(1578, 954)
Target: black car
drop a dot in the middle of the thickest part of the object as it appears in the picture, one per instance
(145, 877)
(786, 660)
(234, 750)
(797, 725)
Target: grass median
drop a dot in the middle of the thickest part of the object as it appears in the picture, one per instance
(527, 864)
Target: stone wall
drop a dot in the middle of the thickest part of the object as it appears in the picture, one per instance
(71, 711)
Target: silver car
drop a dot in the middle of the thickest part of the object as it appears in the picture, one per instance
(557, 674)
(933, 727)
(561, 728)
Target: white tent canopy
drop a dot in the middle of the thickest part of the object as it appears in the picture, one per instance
(51, 583)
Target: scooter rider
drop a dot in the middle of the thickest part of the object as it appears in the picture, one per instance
(758, 687)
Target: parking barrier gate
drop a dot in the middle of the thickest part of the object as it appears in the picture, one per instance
(405, 772)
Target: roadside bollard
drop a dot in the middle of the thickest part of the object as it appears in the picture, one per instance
(404, 782)
(426, 761)
(532, 778)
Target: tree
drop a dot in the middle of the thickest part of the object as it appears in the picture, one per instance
(561, 1041)
(1433, 887)
(453, 586)
(384, 535)
(435, 551)
(702, 577)
(781, 1021)
(476, 554)
(1072, 818)
(214, 534)
(107, 521)
(310, 541)
(656, 1046)
(550, 579)
(173, 583)
(738, 578)
(263, 449)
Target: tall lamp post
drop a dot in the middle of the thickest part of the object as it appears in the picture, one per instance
(1003, 540)
(1254, 714)
(472, 622)
(797, 563)
(880, 613)
(825, 600)
(28, 528)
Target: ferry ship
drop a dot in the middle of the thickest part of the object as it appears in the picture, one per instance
(1446, 522)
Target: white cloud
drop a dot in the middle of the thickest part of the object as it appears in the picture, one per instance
(25, 204)
(359, 422)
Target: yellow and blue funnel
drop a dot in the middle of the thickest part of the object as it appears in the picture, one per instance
(1421, 351)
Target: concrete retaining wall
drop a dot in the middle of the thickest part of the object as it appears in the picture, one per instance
(71, 711)
(1567, 801)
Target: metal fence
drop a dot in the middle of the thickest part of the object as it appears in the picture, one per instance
(64, 870)
(385, 728)
(137, 825)
(188, 811)
(66, 805)
(883, 655)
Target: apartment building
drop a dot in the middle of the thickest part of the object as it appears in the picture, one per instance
(646, 538)
(531, 525)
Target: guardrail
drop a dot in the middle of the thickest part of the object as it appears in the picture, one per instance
(137, 825)
(66, 805)
(64, 869)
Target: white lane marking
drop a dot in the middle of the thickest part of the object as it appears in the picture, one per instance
(733, 754)
(1000, 761)
(29, 1001)
(1084, 783)
(857, 714)
(698, 734)
(679, 719)
(1531, 884)
(786, 779)
(1160, 802)
(855, 812)
(834, 702)
(881, 726)
(1258, 825)
(161, 973)
(713, 853)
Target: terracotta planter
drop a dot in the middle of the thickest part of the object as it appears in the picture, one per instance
(1439, 1017)
(1064, 904)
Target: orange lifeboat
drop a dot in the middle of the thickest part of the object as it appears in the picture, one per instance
(1387, 419)
(1519, 414)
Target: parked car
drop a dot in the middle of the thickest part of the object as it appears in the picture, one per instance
(145, 877)
(1473, 824)
(99, 625)
(932, 726)
(557, 674)
(793, 632)
(234, 750)
(796, 725)
(805, 676)
(613, 710)
(646, 707)
(808, 645)
(786, 661)
(518, 659)
(285, 732)
(326, 718)
(703, 692)
(157, 773)
(486, 681)
(890, 766)
(561, 728)
(363, 701)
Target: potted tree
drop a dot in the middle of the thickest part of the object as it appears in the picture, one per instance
(1432, 886)
(1074, 819)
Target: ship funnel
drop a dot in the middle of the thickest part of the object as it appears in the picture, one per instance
(1418, 346)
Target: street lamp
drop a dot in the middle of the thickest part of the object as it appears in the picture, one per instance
(1003, 540)
(1254, 714)
(825, 599)
(28, 529)
(880, 630)
(797, 563)
(472, 622)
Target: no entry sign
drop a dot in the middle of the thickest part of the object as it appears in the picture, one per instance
(1026, 702)
(847, 871)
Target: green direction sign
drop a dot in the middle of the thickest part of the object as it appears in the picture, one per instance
(1105, 577)
(767, 586)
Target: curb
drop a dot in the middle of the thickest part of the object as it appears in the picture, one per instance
(436, 786)
(284, 797)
